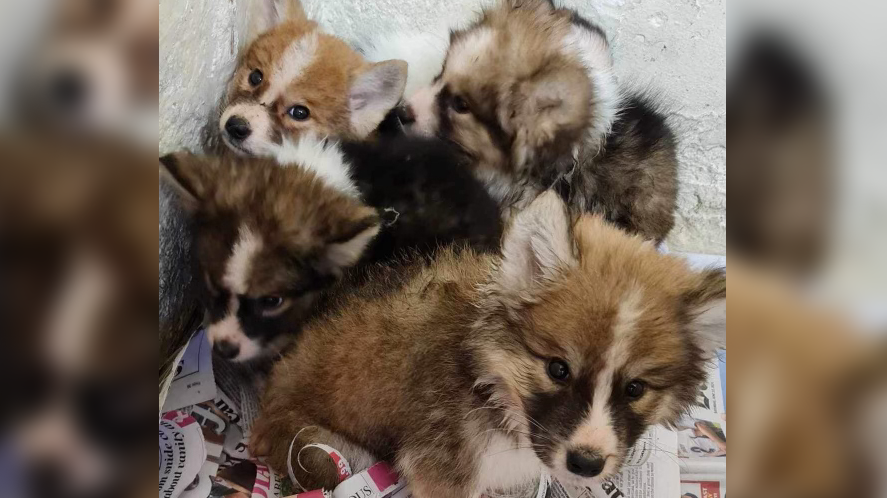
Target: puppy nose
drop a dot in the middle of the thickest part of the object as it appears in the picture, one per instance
(405, 113)
(227, 350)
(585, 463)
(237, 128)
(68, 89)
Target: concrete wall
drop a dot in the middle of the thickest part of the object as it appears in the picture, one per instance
(677, 47)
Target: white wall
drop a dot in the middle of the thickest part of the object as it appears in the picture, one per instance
(677, 47)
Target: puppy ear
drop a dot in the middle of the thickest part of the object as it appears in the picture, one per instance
(375, 92)
(345, 247)
(266, 14)
(187, 178)
(706, 310)
(537, 247)
(550, 109)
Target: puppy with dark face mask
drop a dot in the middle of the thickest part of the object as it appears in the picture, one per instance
(478, 372)
(271, 234)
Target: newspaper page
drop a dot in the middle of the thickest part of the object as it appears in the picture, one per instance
(701, 489)
(182, 453)
(193, 382)
(702, 434)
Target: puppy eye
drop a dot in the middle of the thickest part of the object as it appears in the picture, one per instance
(256, 77)
(270, 303)
(558, 370)
(459, 104)
(635, 389)
(298, 112)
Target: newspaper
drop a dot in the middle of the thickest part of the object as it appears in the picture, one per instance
(182, 453)
(701, 489)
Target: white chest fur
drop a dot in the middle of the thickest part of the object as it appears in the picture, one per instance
(506, 464)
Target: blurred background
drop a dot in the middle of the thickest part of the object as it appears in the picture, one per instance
(808, 293)
(78, 248)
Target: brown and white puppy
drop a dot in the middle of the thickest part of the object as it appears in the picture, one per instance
(478, 372)
(308, 215)
(267, 239)
(95, 70)
(292, 79)
(529, 95)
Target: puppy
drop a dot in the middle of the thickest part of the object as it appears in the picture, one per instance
(271, 234)
(292, 78)
(95, 71)
(478, 372)
(529, 95)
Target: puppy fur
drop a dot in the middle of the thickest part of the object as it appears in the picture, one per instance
(444, 370)
(529, 95)
(291, 226)
(291, 64)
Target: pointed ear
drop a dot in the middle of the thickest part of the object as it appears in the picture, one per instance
(537, 247)
(266, 14)
(345, 248)
(374, 92)
(706, 311)
(180, 171)
(550, 109)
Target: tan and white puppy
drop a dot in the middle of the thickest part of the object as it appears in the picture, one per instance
(292, 79)
(477, 372)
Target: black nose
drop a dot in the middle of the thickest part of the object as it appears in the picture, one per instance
(226, 349)
(68, 89)
(237, 128)
(405, 113)
(585, 463)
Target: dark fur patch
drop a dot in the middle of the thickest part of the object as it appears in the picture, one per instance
(633, 182)
(437, 200)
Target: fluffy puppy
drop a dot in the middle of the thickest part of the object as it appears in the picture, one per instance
(267, 240)
(271, 234)
(292, 78)
(478, 372)
(528, 94)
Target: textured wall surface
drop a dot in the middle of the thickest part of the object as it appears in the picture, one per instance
(675, 47)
